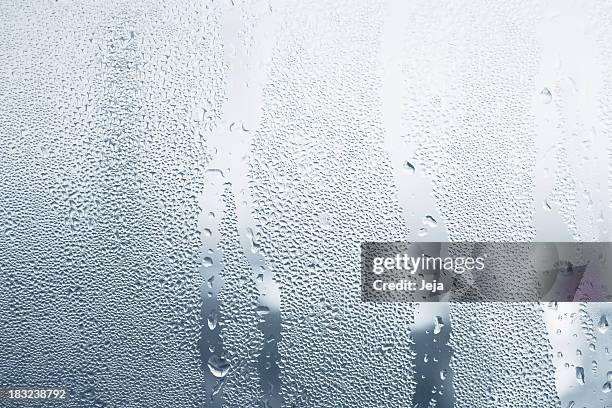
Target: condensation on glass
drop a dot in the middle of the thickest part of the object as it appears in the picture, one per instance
(184, 186)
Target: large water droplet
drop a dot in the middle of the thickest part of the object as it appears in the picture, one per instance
(263, 310)
(218, 366)
(603, 324)
(580, 375)
(438, 325)
(212, 320)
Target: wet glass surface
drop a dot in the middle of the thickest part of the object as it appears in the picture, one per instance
(184, 187)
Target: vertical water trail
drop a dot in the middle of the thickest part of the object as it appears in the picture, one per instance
(248, 38)
(431, 329)
(431, 333)
(211, 343)
(572, 193)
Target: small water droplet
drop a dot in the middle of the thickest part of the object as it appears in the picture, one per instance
(408, 167)
(545, 96)
(324, 221)
(215, 172)
(430, 221)
(385, 347)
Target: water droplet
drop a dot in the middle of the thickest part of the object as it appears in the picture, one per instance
(324, 221)
(212, 320)
(580, 375)
(45, 152)
(218, 366)
(603, 324)
(430, 221)
(215, 172)
(545, 96)
(438, 325)
(263, 310)
(408, 167)
(385, 347)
